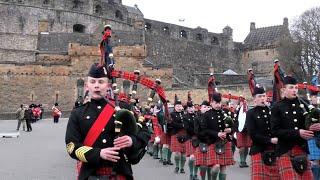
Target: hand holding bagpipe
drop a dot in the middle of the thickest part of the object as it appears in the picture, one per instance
(153, 91)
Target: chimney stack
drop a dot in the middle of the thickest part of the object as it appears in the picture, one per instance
(285, 22)
(252, 26)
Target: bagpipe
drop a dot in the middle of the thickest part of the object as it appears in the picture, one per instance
(125, 121)
(310, 111)
(227, 111)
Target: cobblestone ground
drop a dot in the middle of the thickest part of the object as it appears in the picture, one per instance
(41, 155)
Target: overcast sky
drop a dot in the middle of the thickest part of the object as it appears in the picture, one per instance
(214, 15)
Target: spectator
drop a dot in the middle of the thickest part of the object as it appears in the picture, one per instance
(28, 116)
(20, 117)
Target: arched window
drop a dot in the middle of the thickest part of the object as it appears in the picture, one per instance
(80, 88)
(57, 98)
(214, 41)
(147, 27)
(97, 9)
(79, 28)
(199, 37)
(183, 34)
(119, 15)
(45, 2)
(166, 30)
(77, 4)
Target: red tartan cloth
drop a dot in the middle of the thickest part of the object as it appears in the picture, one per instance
(156, 126)
(175, 146)
(224, 159)
(189, 148)
(296, 150)
(106, 34)
(107, 171)
(153, 136)
(140, 79)
(36, 112)
(287, 172)
(165, 139)
(260, 171)
(243, 140)
(204, 159)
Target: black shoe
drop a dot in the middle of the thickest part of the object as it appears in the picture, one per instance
(182, 171)
(156, 157)
(164, 163)
(176, 170)
(245, 165)
(169, 163)
(195, 177)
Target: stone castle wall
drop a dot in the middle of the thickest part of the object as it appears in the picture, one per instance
(43, 57)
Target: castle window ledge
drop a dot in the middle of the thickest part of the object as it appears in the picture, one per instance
(46, 33)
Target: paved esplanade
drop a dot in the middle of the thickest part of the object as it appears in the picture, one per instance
(41, 155)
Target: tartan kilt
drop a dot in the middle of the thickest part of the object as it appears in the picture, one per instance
(153, 136)
(260, 171)
(176, 146)
(223, 159)
(314, 151)
(286, 170)
(204, 159)
(165, 139)
(189, 148)
(243, 140)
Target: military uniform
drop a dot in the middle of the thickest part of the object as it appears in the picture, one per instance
(215, 124)
(259, 127)
(178, 140)
(179, 130)
(189, 126)
(313, 144)
(90, 163)
(203, 158)
(80, 121)
(287, 118)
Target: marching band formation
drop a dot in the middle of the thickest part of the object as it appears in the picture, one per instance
(109, 133)
(283, 138)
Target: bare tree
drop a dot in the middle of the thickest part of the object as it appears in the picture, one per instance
(289, 55)
(306, 32)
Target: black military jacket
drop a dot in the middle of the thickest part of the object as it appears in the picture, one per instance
(189, 123)
(177, 123)
(259, 127)
(286, 120)
(80, 121)
(210, 124)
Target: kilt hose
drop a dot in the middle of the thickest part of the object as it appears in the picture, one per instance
(224, 159)
(286, 170)
(260, 171)
(204, 159)
(314, 151)
(165, 139)
(243, 140)
(153, 136)
(189, 148)
(176, 146)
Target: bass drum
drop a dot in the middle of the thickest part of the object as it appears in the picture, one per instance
(241, 119)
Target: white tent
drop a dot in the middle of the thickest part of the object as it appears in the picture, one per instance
(229, 72)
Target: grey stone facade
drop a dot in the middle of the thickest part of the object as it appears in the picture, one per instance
(31, 27)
